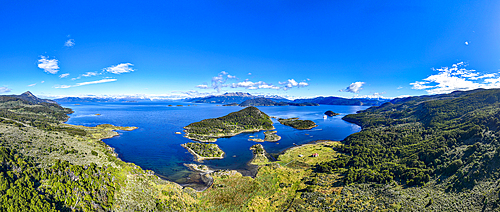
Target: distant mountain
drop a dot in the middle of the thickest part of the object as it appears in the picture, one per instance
(331, 100)
(28, 96)
(100, 99)
(228, 98)
(268, 102)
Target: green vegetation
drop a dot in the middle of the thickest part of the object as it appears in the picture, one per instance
(49, 166)
(203, 151)
(444, 143)
(298, 124)
(249, 119)
(331, 113)
(271, 136)
(259, 155)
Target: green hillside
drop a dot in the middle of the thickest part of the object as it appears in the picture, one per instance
(445, 146)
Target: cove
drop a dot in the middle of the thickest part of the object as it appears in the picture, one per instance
(155, 146)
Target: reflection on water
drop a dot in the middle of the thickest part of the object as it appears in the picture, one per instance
(155, 146)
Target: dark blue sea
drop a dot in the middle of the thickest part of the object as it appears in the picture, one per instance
(155, 146)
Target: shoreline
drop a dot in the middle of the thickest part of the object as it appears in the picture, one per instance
(186, 135)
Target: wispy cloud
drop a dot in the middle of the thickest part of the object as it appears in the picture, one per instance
(90, 74)
(48, 65)
(64, 75)
(120, 68)
(32, 85)
(69, 43)
(354, 87)
(456, 78)
(254, 85)
(86, 83)
(5, 90)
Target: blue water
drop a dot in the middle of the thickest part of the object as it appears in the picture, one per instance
(155, 146)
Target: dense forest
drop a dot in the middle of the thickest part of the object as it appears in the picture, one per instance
(248, 119)
(297, 123)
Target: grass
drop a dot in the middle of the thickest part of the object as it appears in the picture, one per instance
(324, 149)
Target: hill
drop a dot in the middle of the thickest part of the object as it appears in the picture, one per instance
(249, 119)
(26, 96)
(441, 149)
(50, 166)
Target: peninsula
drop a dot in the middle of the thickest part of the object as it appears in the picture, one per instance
(249, 119)
(298, 124)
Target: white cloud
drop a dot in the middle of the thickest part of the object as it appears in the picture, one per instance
(120, 68)
(32, 85)
(42, 81)
(202, 86)
(400, 87)
(466, 43)
(456, 78)
(69, 43)
(354, 87)
(219, 81)
(5, 90)
(86, 83)
(89, 74)
(64, 75)
(48, 65)
(267, 86)
(290, 83)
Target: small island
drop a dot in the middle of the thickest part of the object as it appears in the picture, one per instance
(331, 113)
(298, 124)
(271, 136)
(249, 119)
(204, 151)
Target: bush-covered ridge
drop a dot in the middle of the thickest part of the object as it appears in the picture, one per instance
(249, 119)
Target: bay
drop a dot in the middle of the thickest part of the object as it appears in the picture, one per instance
(155, 146)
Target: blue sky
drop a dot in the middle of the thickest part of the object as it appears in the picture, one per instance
(289, 48)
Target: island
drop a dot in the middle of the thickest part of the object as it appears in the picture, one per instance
(298, 124)
(249, 119)
(331, 113)
(204, 151)
(271, 136)
(232, 104)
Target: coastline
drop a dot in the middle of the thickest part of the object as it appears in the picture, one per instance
(222, 136)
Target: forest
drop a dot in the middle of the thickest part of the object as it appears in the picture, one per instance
(451, 139)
